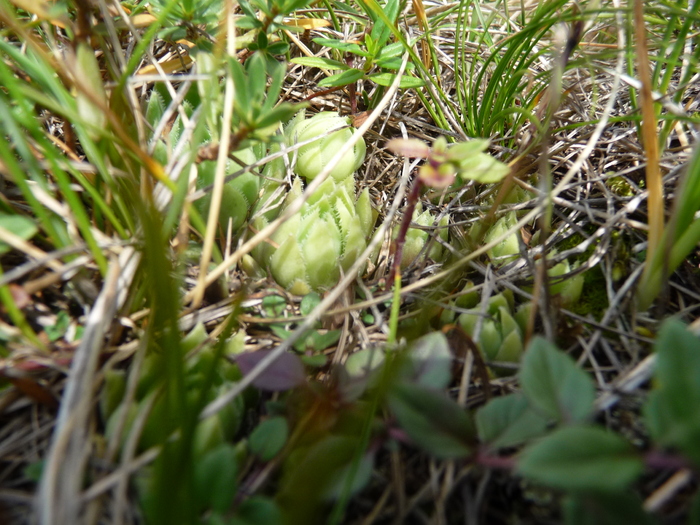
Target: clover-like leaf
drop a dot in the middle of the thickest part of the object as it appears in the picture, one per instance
(554, 384)
(433, 421)
(582, 458)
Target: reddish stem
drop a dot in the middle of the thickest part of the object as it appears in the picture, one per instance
(407, 216)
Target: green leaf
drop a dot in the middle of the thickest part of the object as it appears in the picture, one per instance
(483, 168)
(319, 62)
(433, 421)
(670, 410)
(581, 458)
(554, 384)
(281, 113)
(34, 471)
(406, 82)
(309, 473)
(694, 518)
(390, 51)
(380, 32)
(268, 438)
(342, 79)
(393, 63)
(464, 150)
(215, 478)
(274, 305)
(278, 48)
(509, 421)
(430, 358)
(348, 47)
(257, 78)
(240, 81)
(605, 509)
(309, 302)
(257, 510)
(20, 226)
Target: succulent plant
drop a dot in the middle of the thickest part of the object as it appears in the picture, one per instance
(416, 238)
(509, 248)
(313, 158)
(328, 234)
(501, 335)
(569, 289)
(209, 432)
(239, 194)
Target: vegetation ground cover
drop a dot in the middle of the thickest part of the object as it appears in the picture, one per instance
(273, 261)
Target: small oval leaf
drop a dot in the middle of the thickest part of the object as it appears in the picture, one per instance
(285, 372)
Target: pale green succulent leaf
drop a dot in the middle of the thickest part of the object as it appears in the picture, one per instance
(321, 252)
(508, 324)
(355, 244)
(365, 213)
(490, 339)
(511, 348)
(288, 266)
(509, 248)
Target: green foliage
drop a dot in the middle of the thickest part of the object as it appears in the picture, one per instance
(606, 509)
(215, 479)
(183, 17)
(268, 438)
(417, 238)
(669, 413)
(433, 421)
(497, 91)
(333, 132)
(679, 240)
(582, 458)
(324, 238)
(372, 54)
(555, 385)
(501, 335)
(468, 160)
(509, 421)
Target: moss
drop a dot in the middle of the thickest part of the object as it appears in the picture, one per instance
(594, 298)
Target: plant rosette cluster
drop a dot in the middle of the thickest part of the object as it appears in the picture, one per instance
(501, 336)
(326, 236)
(245, 193)
(332, 132)
(568, 289)
(308, 251)
(209, 433)
(417, 238)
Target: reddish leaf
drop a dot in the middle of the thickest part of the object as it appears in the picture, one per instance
(21, 298)
(409, 147)
(285, 372)
(35, 391)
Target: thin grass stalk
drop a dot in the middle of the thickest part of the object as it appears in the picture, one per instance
(222, 157)
(17, 317)
(651, 146)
